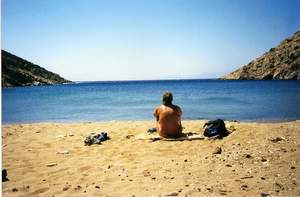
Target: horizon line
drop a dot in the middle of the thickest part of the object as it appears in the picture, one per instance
(133, 80)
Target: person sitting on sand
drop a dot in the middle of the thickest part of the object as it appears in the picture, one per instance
(168, 117)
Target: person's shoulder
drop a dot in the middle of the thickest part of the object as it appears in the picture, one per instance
(158, 108)
(176, 106)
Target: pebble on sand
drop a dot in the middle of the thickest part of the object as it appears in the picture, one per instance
(264, 195)
(277, 139)
(66, 188)
(244, 186)
(218, 150)
(248, 156)
(264, 159)
(51, 164)
(172, 194)
(63, 152)
(60, 136)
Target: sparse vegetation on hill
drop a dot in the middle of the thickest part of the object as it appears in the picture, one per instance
(282, 62)
(19, 72)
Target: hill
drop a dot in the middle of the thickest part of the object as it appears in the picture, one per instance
(19, 72)
(281, 62)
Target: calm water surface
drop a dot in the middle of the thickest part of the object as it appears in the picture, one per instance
(136, 100)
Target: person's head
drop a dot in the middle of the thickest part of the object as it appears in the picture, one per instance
(167, 98)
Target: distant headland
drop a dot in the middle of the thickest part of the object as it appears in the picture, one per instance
(19, 72)
(279, 63)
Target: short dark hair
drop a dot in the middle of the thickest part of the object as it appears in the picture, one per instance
(167, 98)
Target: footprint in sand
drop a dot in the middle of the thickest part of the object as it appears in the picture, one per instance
(85, 168)
(40, 191)
(59, 170)
(48, 145)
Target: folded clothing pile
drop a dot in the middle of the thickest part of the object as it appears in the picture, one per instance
(215, 128)
(151, 130)
(95, 138)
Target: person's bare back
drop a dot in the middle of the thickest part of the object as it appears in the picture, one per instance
(168, 118)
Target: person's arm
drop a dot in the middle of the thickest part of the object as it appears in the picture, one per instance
(156, 114)
(179, 112)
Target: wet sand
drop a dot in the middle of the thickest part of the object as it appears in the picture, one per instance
(49, 159)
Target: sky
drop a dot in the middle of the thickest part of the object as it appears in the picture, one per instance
(100, 40)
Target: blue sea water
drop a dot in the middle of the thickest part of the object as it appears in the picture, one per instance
(136, 100)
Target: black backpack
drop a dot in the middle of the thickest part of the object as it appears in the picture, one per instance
(215, 128)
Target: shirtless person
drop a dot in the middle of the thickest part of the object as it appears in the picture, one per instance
(168, 117)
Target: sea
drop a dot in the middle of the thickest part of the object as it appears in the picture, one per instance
(260, 101)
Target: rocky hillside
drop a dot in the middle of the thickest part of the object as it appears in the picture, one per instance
(282, 62)
(19, 72)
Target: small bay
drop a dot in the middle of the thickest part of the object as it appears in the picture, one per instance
(135, 100)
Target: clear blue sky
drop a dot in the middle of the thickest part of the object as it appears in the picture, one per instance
(85, 40)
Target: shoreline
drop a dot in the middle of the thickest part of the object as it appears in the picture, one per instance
(148, 120)
(255, 158)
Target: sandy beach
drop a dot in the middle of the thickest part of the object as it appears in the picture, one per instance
(50, 159)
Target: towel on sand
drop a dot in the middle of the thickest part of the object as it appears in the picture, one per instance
(155, 136)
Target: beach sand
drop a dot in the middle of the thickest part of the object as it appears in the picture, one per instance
(256, 158)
